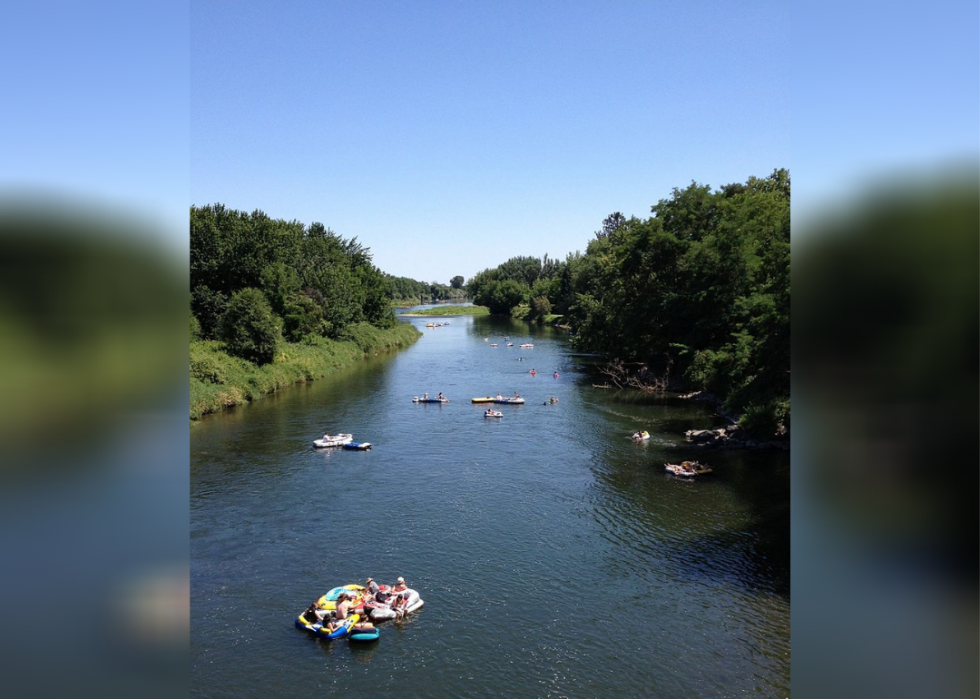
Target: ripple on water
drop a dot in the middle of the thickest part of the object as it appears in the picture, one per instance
(554, 555)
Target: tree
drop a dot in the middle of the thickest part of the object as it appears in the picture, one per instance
(208, 306)
(249, 328)
(504, 295)
(303, 316)
(610, 224)
(456, 282)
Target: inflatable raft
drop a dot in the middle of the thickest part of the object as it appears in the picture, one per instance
(318, 629)
(333, 440)
(359, 446)
(329, 600)
(688, 469)
(365, 636)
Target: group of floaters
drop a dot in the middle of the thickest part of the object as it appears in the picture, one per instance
(500, 398)
(688, 469)
(345, 440)
(525, 345)
(352, 610)
(425, 398)
(685, 469)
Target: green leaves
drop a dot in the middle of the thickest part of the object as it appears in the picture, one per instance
(702, 286)
(249, 328)
(314, 280)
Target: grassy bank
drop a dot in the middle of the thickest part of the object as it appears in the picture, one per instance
(452, 311)
(219, 380)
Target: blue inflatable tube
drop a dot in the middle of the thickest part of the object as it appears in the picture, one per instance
(366, 636)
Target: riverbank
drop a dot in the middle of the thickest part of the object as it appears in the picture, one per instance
(219, 381)
(450, 311)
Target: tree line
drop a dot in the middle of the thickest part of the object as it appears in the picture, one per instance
(699, 292)
(404, 289)
(257, 280)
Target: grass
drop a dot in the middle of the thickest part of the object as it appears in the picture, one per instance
(220, 381)
(452, 311)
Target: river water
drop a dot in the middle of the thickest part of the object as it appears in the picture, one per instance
(555, 556)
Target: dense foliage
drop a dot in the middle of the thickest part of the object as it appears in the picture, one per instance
(699, 291)
(408, 290)
(278, 276)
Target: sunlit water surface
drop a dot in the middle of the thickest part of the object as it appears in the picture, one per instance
(554, 555)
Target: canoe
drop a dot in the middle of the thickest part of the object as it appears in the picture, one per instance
(359, 446)
(484, 399)
(332, 440)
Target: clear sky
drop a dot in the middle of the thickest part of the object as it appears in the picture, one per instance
(451, 136)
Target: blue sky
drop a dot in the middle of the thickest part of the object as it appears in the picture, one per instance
(450, 136)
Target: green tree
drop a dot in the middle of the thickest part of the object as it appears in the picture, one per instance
(456, 282)
(249, 328)
(303, 317)
(208, 306)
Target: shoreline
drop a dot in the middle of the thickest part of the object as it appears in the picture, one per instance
(219, 381)
(448, 311)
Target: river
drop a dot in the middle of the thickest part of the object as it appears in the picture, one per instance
(555, 556)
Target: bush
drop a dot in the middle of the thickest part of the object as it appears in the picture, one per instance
(764, 421)
(249, 328)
